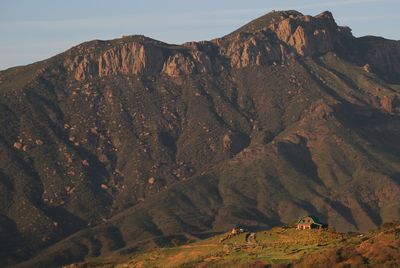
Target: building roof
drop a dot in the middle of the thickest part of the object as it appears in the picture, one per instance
(314, 219)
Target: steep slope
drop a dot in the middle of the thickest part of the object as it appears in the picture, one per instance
(112, 143)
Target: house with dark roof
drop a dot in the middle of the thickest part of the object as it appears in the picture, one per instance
(310, 222)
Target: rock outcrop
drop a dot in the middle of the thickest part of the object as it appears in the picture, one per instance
(234, 142)
(273, 39)
(308, 35)
(261, 42)
(248, 50)
(127, 58)
(390, 103)
(83, 67)
(178, 64)
(132, 58)
(145, 58)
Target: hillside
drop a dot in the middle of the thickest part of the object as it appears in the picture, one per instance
(132, 142)
(278, 247)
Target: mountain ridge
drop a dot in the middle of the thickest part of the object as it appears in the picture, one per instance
(113, 143)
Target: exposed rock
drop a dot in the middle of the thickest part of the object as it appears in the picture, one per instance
(127, 58)
(235, 142)
(151, 180)
(308, 35)
(321, 111)
(39, 142)
(103, 158)
(85, 68)
(177, 65)
(17, 145)
(367, 68)
(70, 189)
(259, 44)
(294, 138)
(203, 62)
(269, 44)
(390, 103)
(386, 103)
(246, 50)
(131, 58)
(93, 130)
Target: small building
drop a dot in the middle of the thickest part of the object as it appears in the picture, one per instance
(310, 222)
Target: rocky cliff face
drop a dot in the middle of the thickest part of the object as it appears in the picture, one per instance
(245, 50)
(309, 35)
(131, 58)
(142, 56)
(137, 57)
(269, 44)
(274, 38)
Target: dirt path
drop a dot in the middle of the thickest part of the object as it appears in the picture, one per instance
(201, 245)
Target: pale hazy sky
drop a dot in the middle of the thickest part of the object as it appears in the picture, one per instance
(32, 30)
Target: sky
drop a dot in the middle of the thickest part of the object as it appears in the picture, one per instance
(33, 30)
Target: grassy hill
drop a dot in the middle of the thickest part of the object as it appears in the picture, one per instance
(279, 247)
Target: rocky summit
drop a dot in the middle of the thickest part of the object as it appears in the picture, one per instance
(114, 146)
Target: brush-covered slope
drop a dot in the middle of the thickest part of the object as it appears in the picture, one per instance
(113, 143)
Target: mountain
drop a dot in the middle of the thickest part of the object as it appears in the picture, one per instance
(118, 145)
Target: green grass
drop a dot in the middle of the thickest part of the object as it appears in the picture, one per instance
(274, 246)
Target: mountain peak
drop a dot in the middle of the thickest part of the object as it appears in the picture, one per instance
(326, 14)
(264, 21)
(274, 17)
(306, 34)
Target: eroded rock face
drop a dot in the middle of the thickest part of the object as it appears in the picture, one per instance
(128, 58)
(83, 67)
(194, 58)
(309, 35)
(139, 58)
(131, 58)
(266, 42)
(275, 41)
(249, 50)
(178, 64)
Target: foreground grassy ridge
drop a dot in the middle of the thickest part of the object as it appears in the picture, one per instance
(276, 246)
(281, 247)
